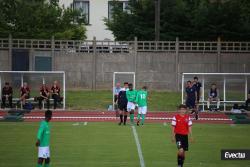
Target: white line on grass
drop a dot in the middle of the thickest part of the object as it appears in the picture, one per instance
(138, 145)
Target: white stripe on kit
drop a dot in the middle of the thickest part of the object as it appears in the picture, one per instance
(138, 145)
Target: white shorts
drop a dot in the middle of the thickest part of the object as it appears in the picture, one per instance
(130, 106)
(43, 152)
(142, 110)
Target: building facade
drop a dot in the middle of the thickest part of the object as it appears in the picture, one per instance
(94, 12)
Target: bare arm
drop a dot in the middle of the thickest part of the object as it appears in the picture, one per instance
(190, 133)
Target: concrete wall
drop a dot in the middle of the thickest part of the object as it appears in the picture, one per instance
(4, 60)
(158, 70)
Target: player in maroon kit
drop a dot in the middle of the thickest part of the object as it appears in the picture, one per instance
(55, 91)
(181, 128)
(24, 92)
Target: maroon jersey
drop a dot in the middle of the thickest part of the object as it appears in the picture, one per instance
(181, 124)
(7, 90)
(25, 90)
(44, 91)
(55, 89)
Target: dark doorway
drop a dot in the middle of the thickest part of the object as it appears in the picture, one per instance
(20, 60)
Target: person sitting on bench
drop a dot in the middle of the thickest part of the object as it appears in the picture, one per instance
(7, 94)
(24, 93)
(55, 91)
(44, 95)
(213, 95)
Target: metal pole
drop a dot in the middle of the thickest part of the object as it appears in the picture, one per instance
(113, 102)
(246, 88)
(157, 19)
(203, 93)
(182, 89)
(64, 91)
(0, 86)
(224, 93)
(22, 80)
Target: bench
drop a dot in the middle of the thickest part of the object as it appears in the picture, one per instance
(222, 103)
(30, 100)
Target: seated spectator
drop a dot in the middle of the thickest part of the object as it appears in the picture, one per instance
(213, 95)
(55, 92)
(24, 93)
(7, 95)
(236, 109)
(44, 95)
(248, 100)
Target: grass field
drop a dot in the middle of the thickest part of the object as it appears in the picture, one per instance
(99, 100)
(110, 145)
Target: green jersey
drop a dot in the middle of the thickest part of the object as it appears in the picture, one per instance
(141, 98)
(131, 95)
(43, 134)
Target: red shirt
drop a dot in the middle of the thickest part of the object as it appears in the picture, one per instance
(181, 124)
(25, 90)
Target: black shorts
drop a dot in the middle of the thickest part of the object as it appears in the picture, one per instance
(181, 141)
(122, 107)
(190, 103)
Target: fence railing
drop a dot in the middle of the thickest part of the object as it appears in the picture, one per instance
(98, 46)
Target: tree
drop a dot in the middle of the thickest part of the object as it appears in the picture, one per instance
(39, 19)
(186, 19)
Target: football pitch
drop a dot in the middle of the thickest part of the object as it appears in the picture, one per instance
(109, 145)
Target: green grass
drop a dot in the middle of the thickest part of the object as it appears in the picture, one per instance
(99, 100)
(109, 145)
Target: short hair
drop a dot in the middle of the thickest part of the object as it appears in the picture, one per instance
(196, 77)
(213, 84)
(48, 114)
(130, 84)
(182, 106)
(125, 83)
(144, 87)
(7, 83)
(189, 82)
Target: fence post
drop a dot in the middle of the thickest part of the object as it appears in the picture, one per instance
(94, 65)
(10, 52)
(177, 64)
(135, 60)
(53, 52)
(219, 55)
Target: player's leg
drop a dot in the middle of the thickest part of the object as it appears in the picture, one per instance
(10, 101)
(218, 103)
(180, 157)
(40, 162)
(131, 115)
(120, 110)
(125, 113)
(139, 115)
(40, 99)
(144, 112)
(47, 161)
(208, 103)
(3, 101)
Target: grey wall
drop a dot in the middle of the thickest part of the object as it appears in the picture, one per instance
(158, 70)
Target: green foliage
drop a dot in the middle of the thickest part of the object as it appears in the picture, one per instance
(39, 19)
(186, 19)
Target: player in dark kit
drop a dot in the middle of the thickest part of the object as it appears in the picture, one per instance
(7, 94)
(122, 104)
(197, 86)
(181, 128)
(191, 98)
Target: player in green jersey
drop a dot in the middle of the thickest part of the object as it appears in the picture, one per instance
(43, 140)
(141, 100)
(131, 96)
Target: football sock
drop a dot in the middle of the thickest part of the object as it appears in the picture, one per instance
(138, 117)
(125, 119)
(143, 118)
(121, 118)
(39, 165)
(131, 118)
(46, 165)
(180, 160)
